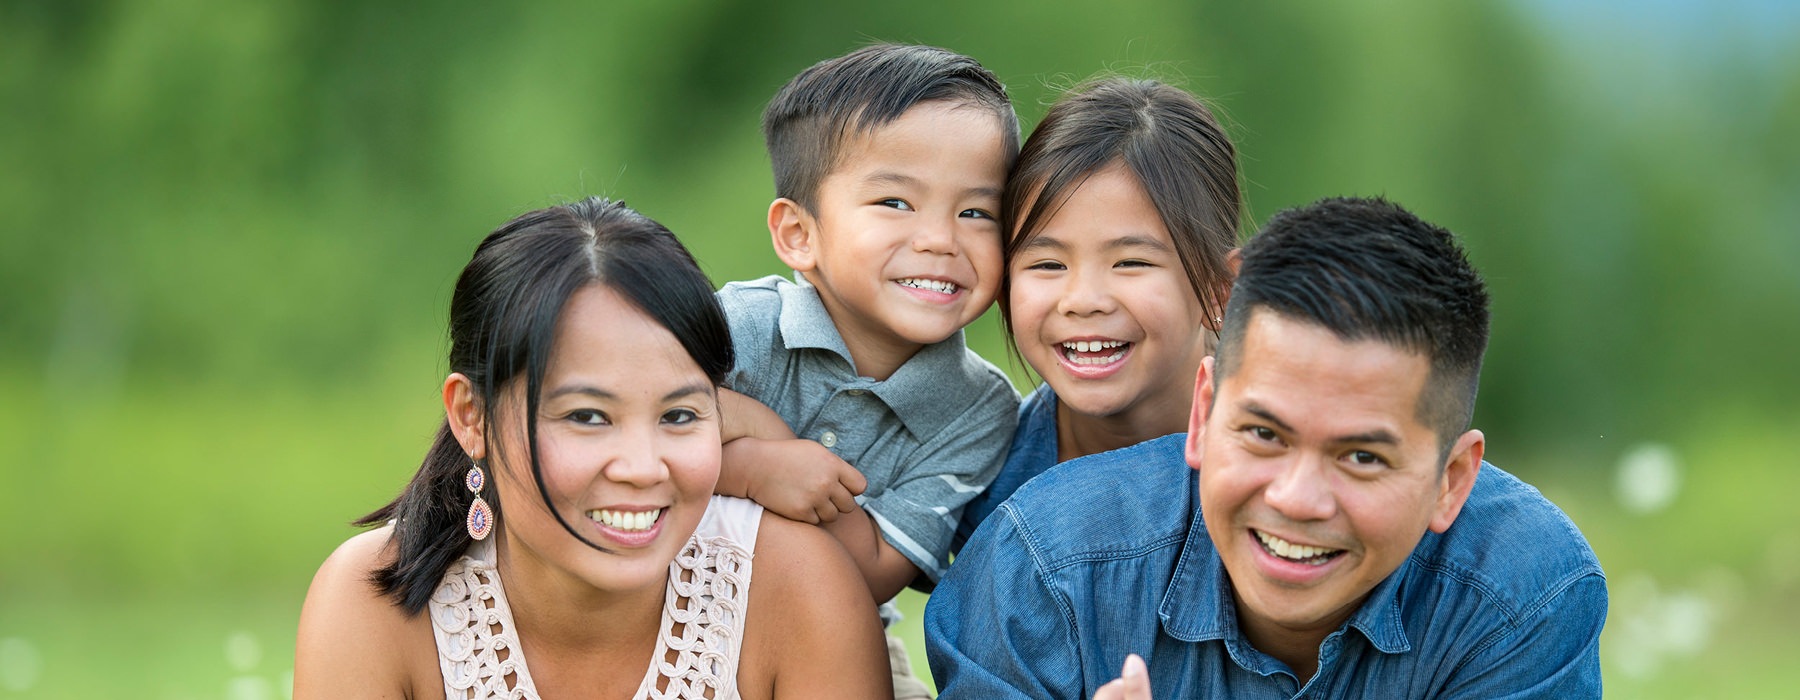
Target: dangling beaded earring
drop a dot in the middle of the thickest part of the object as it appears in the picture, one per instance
(481, 517)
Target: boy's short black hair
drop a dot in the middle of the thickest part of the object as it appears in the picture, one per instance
(810, 118)
(1367, 269)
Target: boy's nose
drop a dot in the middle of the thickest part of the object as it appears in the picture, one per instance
(935, 236)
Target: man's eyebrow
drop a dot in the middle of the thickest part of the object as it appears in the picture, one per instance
(1373, 437)
(1256, 409)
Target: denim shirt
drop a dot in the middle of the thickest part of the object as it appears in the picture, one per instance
(1033, 452)
(1106, 555)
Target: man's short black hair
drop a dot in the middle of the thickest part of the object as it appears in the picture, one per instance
(1367, 269)
(811, 117)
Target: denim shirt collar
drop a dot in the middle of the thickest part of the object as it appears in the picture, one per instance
(1199, 605)
(805, 323)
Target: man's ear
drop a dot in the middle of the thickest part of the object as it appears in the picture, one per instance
(1458, 479)
(793, 231)
(462, 410)
(1203, 397)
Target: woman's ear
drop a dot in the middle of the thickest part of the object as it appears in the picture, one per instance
(793, 231)
(462, 408)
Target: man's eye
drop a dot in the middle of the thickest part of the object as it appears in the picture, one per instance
(588, 417)
(1264, 434)
(896, 203)
(680, 416)
(1366, 458)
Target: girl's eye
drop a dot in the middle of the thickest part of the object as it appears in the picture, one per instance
(1133, 263)
(976, 214)
(680, 416)
(895, 203)
(1045, 265)
(589, 417)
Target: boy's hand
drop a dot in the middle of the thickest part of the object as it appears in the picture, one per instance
(796, 479)
(1133, 682)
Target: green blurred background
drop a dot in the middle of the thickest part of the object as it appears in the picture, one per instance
(228, 232)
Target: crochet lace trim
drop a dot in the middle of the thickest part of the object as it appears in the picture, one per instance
(696, 648)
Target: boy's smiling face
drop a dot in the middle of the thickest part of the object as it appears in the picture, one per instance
(903, 242)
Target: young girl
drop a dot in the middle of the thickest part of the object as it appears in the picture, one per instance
(561, 536)
(1123, 207)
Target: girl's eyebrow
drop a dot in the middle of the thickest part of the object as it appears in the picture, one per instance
(1137, 241)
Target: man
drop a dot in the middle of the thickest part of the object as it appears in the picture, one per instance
(1338, 535)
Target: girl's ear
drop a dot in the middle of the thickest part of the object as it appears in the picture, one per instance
(463, 411)
(1222, 290)
(794, 233)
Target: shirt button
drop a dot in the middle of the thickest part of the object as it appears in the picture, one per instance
(829, 439)
(856, 392)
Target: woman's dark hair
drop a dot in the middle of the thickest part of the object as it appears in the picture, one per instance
(1167, 139)
(502, 325)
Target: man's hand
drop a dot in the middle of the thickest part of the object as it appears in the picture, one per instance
(796, 479)
(1133, 682)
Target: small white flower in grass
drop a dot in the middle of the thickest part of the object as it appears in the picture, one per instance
(20, 664)
(1649, 478)
(243, 652)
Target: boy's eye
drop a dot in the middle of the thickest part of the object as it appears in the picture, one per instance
(680, 416)
(589, 417)
(896, 203)
(976, 214)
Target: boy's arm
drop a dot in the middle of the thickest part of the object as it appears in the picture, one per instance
(884, 568)
(763, 461)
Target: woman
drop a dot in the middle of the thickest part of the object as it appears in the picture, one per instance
(576, 464)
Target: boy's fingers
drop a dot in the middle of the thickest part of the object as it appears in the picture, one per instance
(853, 480)
(843, 500)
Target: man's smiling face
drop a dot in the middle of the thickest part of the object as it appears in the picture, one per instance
(1317, 478)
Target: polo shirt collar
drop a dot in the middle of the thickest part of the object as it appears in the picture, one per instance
(909, 392)
(1199, 606)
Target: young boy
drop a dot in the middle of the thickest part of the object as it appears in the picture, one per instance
(888, 163)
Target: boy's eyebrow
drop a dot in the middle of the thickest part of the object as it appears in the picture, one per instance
(889, 177)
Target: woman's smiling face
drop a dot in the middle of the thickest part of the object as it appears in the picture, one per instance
(628, 443)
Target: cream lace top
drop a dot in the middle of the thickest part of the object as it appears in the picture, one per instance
(696, 649)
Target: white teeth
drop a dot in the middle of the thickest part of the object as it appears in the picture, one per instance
(626, 520)
(933, 285)
(1288, 550)
(1093, 345)
(1073, 347)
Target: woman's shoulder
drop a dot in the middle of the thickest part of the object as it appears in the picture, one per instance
(349, 629)
(809, 610)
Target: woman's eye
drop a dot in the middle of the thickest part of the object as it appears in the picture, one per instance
(680, 416)
(589, 417)
(976, 214)
(896, 203)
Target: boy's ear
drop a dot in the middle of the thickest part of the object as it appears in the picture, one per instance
(794, 232)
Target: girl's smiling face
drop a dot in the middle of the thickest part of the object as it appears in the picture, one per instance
(1102, 308)
(628, 445)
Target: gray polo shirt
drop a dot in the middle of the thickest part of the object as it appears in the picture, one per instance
(928, 438)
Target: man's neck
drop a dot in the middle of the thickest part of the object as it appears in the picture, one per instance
(1299, 649)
